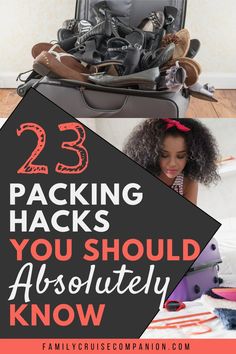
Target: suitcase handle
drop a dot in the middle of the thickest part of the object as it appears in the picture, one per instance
(114, 110)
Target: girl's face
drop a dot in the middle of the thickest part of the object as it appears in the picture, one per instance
(174, 156)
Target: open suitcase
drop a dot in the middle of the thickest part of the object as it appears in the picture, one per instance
(91, 101)
(202, 276)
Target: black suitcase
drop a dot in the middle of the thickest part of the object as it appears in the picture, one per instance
(92, 101)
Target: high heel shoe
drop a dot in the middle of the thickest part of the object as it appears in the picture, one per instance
(145, 79)
(203, 92)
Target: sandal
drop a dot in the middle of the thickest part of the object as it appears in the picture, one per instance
(157, 58)
(181, 40)
(203, 92)
(60, 55)
(173, 79)
(170, 13)
(192, 68)
(49, 64)
(122, 50)
(191, 62)
(195, 45)
(154, 22)
(110, 67)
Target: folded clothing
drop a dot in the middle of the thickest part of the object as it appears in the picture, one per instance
(224, 309)
(228, 317)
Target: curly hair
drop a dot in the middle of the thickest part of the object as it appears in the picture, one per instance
(144, 146)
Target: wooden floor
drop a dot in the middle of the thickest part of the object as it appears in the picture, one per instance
(225, 108)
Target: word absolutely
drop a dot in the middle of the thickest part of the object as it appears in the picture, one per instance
(121, 282)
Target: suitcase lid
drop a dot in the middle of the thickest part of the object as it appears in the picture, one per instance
(134, 10)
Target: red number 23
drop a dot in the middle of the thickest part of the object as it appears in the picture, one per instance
(76, 146)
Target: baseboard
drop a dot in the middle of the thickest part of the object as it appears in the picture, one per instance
(8, 80)
(222, 81)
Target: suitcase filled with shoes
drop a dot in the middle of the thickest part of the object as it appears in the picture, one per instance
(123, 42)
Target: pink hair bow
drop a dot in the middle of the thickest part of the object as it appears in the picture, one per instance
(174, 123)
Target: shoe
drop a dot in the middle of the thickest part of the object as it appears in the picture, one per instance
(136, 38)
(83, 27)
(40, 47)
(67, 44)
(110, 67)
(192, 62)
(173, 79)
(72, 62)
(158, 58)
(117, 48)
(69, 24)
(63, 34)
(73, 43)
(46, 64)
(101, 29)
(195, 46)
(192, 68)
(121, 49)
(102, 12)
(170, 13)
(73, 28)
(145, 79)
(60, 55)
(203, 92)
(153, 23)
(181, 40)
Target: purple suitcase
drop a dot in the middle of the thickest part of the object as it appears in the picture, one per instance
(210, 255)
(195, 283)
(202, 276)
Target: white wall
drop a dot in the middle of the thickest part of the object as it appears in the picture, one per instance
(26, 22)
(220, 200)
(213, 22)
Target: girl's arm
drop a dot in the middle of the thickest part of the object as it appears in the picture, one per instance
(191, 190)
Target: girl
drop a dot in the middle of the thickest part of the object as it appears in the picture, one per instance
(180, 152)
